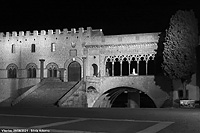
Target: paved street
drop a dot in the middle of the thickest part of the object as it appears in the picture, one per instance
(99, 120)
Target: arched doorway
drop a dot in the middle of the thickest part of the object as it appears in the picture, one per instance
(74, 71)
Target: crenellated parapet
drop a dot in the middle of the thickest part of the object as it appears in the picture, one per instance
(130, 40)
(73, 31)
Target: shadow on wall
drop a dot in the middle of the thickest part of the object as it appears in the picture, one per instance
(13, 88)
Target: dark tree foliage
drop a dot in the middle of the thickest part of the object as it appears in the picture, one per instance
(179, 55)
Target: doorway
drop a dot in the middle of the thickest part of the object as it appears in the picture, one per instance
(74, 71)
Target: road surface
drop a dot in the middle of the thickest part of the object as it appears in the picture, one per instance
(99, 120)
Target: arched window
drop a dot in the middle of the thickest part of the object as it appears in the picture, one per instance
(95, 70)
(33, 48)
(53, 47)
(12, 71)
(52, 70)
(13, 48)
(31, 70)
(109, 67)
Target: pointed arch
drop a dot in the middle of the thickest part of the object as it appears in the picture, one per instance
(117, 67)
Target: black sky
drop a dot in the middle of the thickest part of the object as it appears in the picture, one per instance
(114, 17)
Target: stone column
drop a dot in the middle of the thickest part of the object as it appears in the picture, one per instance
(61, 71)
(146, 67)
(113, 68)
(84, 69)
(129, 68)
(120, 68)
(138, 65)
(41, 69)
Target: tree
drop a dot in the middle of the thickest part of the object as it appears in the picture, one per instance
(179, 54)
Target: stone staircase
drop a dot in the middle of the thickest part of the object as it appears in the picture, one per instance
(7, 102)
(47, 94)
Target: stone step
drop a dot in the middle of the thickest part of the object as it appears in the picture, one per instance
(22, 90)
(46, 95)
(52, 80)
(7, 102)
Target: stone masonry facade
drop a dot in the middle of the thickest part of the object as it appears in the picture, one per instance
(97, 58)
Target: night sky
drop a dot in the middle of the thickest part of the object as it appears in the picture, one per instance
(114, 17)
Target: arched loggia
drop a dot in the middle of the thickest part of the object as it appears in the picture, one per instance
(130, 65)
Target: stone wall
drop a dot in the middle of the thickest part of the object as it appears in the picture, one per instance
(77, 99)
(64, 41)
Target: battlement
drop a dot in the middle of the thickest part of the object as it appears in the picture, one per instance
(44, 32)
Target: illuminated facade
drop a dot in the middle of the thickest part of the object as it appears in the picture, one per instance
(105, 63)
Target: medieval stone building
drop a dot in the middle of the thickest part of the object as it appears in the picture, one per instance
(82, 68)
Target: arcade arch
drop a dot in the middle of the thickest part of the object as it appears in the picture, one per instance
(151, 66)
(125, 67)
(117, 66)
